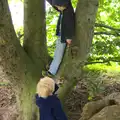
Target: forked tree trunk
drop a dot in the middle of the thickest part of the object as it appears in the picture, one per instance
(35, 32)
(71, 69)
(22, 68)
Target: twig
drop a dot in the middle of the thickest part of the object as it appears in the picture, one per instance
(106, 33)
(106, 26)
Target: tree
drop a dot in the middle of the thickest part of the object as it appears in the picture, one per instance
(22, 66)
(105, 47)
(106, 41)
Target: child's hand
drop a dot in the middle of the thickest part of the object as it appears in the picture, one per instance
(69, 41)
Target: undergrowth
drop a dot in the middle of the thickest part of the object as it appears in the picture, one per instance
(97, 76)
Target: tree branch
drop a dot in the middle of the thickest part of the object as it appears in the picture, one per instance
(107, 33)
(114, 59)
(89, 63)
(115, 33)
(35, 32)
(106, 26)
(20, 36)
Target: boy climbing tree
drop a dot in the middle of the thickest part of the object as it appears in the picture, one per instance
(65, 30)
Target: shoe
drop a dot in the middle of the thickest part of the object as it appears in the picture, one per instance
(47, 73)
(56, 88)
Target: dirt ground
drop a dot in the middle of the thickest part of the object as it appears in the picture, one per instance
(8, 109)
(79, 97)
(74, 103)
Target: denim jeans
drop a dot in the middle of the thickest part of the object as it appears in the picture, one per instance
(58, 55)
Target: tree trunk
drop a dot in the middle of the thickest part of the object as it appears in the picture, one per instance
(35, 31)
(23, 69)
(16, 66)
(75, 56)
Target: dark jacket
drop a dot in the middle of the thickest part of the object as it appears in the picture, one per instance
(67, 23)
(50, 108)
(60, 2)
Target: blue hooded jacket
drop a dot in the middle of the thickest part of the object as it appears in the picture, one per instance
(50, 108)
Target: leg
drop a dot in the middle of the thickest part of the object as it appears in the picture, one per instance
(59, 52)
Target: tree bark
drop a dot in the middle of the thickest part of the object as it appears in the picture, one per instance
(22, 68)
(76, 56)
(35, 31)
(85, 20)
(16, 66)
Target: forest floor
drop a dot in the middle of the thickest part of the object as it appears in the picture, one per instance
(85, 91)
(79, 97)
(95, 85)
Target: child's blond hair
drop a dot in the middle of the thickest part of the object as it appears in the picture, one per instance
(45, 87)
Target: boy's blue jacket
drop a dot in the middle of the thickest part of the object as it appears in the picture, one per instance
(50, 108)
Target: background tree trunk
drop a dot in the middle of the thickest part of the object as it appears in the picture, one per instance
(71, 69)
(35, 31)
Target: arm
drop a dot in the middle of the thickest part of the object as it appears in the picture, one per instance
(58, 111)
(70, 26)
(69, 16)
(37, 100)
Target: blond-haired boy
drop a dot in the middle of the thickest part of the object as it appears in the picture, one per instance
(48, 103)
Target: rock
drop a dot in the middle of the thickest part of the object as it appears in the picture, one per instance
(100, 110)
(114, 97)
(108, 113)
